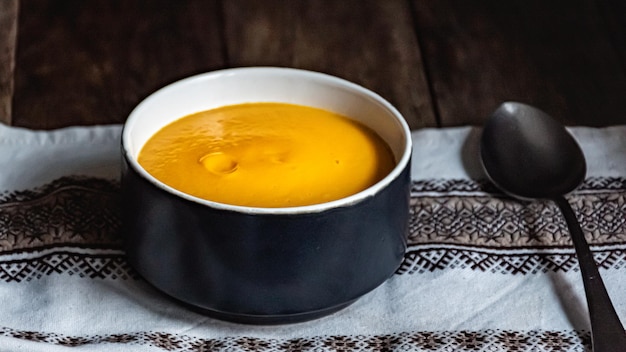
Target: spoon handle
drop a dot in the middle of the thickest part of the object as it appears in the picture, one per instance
(607, 332)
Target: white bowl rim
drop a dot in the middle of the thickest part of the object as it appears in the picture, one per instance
(401, 165)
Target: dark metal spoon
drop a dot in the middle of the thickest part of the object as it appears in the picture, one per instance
(529, 155)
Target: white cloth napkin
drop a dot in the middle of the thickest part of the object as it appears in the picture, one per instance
(482, 272)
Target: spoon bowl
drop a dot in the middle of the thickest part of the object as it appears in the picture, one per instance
(529, 155)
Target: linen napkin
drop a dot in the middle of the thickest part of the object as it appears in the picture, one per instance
(482, 271)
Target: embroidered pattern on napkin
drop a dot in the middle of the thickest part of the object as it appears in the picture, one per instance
(498, 340)
(445, 231)
(462, 227)
(444, 234)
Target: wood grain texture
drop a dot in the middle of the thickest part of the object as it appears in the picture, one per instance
(440, 62)
(8, 32)
(90, 62)
(556, 55)
(371, 43)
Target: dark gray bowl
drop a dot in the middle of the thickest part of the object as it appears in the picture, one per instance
(265, 265)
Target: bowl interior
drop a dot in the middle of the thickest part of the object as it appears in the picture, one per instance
(248, 85)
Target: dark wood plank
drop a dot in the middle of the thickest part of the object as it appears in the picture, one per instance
(614, 12)
(556, 55)
(90, 62)
(8, 31)
(369, 42)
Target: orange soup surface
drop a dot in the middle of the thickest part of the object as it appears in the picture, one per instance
(267, 155)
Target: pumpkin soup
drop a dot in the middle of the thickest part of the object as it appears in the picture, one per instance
(267, 155)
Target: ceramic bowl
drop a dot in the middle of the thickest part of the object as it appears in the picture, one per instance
(264, 265)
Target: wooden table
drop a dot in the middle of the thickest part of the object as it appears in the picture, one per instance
(440, 62)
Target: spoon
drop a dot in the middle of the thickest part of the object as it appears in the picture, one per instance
(529, 155)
